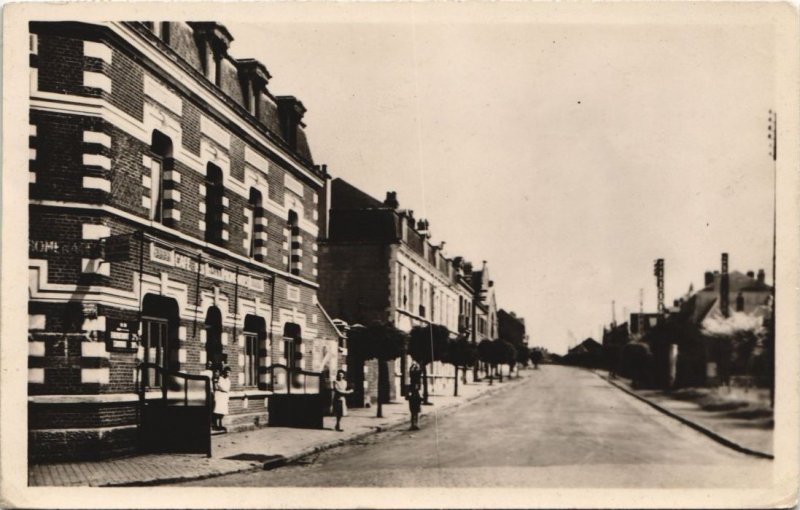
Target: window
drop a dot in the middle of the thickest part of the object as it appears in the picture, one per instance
(160, 29)
(295, 244)
(292, 349)
(214, 207)
(255, 223)
(213, 329)
(161, 161)
(250, 359)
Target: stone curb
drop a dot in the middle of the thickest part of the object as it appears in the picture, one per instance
(283, 461)
(696, 426)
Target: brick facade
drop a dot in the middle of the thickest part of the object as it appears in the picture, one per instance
(128, 125)
(377, 264)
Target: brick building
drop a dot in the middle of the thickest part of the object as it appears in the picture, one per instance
(173, 220)
(378, 264)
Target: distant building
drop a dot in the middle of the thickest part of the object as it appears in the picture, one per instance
(378, 264)
(511, 327)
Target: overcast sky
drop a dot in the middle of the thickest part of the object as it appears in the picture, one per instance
(569, 156)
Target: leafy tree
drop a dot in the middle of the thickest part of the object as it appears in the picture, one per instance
(503, 354)
(386, 343)
(486, 354)
(426, 344)
(358, 351)
(461, 353)
(523, 354)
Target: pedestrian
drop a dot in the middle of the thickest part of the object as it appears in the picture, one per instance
(339, 392)
(221, 396)
(414, 406)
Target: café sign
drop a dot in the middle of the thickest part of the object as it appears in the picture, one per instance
(167, 256)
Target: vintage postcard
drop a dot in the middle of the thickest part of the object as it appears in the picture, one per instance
(400, 254)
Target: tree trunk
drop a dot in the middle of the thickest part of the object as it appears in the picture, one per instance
(489, 373)
(381, 377)
(500, 372)
(455, 379)
(425, 384)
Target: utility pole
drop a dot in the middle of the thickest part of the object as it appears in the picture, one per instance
(658, 271)
(640, 319)
(773, 137)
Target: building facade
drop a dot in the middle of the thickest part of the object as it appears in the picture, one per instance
(378, 264)
(173, 220)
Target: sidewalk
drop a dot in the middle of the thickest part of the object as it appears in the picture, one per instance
(732, 417)
(263, 448)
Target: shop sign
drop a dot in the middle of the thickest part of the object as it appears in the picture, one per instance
(176, 259)
(88, 249)
(161, 254)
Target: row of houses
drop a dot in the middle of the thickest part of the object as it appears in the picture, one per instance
(178, 218)
(706, 337)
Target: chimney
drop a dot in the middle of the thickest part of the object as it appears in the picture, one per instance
(709, 278)
(762, 277)
(290, 115)
(724, 287)
(391, 200)
(751, 274)
(323, 202)
(410, 218)
(422, 226)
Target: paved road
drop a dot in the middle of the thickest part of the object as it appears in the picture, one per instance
(562, 427)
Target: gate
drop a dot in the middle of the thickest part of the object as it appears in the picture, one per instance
(175, 416)
(298, 398)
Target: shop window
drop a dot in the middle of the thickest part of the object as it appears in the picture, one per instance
(214, 208)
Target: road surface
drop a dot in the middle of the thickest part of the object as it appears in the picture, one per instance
(561, 427)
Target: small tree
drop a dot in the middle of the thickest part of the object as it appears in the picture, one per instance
(461, 353)
(426, 344)
(486, 354)
(386, 343)
(503, 354)
(523, 355)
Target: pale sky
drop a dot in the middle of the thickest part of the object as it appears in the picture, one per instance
(569, 156)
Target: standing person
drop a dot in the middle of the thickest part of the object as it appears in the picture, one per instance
(221, 396)
(339, 391)
(414, 406)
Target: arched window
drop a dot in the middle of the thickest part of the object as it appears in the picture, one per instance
(256, 226)
(161, 162)
(292, 348)
(255, 331)
(213, 328)
(214, 207)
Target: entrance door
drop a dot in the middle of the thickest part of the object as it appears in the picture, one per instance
(155, 340)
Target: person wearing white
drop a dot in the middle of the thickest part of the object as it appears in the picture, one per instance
(221, 396)
(339, 391)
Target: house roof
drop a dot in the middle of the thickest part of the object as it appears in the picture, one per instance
(346, 196)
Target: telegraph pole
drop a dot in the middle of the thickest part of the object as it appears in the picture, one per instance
(773, 137)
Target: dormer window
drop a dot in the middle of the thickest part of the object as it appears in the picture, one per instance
(213, 39)
(253, 77)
